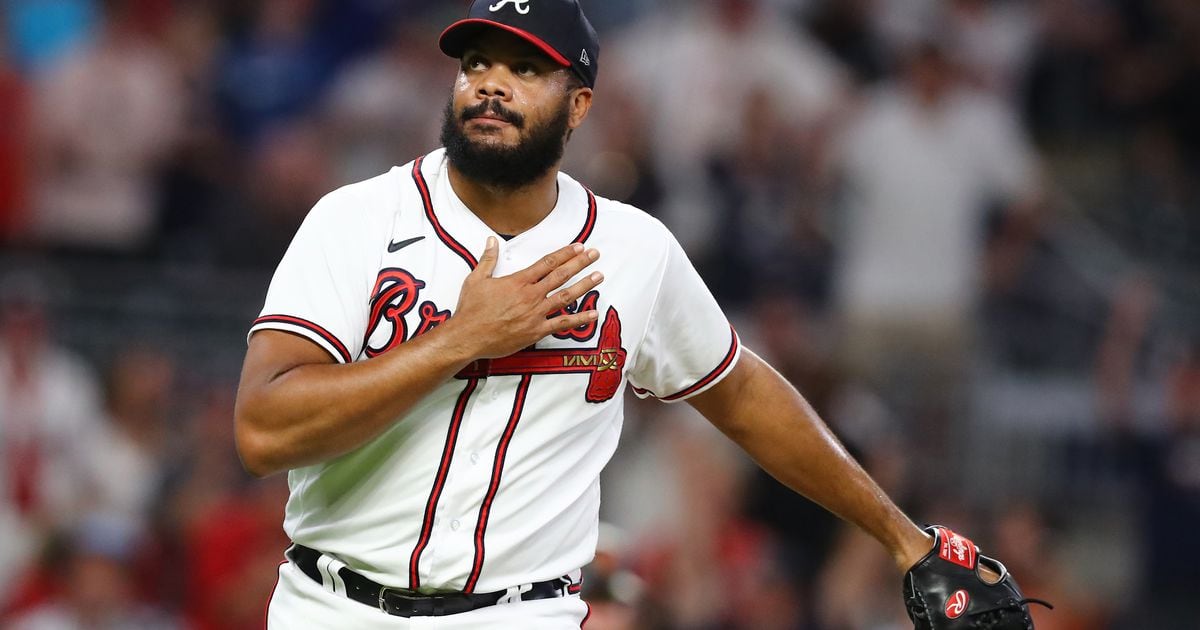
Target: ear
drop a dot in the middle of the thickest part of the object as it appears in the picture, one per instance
(581, 104)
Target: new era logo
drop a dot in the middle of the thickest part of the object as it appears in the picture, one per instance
(584, 58)
(522, 6)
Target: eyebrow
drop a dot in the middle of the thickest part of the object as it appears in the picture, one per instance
(532, 56)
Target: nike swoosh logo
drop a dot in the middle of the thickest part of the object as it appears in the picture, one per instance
(394, 247)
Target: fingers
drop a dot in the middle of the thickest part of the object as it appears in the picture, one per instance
(567, 322)
(559, 299)
(567, 270)
(487, 262)
(540, 269)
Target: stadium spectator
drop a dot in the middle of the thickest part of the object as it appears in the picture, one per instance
(920, 167)
(49, 404)
(98, 586)
(378, 108)
(273, 69)
(719, 53)
(105, 117)
(129, 454)
(994, 43)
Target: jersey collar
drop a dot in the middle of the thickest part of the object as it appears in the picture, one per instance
(572, 219)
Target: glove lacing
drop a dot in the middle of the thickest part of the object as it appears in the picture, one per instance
(988, 619)
(994, 618)
(916, 608)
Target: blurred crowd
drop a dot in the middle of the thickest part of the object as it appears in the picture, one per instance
(967, 230)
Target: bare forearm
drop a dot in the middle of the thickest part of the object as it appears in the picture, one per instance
(316, 411)
(773, 423)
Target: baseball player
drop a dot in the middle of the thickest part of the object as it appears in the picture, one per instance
(442, 355)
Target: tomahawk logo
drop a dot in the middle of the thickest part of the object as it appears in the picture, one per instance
(604, 364)
(522, 6)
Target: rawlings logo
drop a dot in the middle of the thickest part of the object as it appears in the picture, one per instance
(522, 6)
(956, 549)
(956, 605)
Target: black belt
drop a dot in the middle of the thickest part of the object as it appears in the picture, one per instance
(406, 603)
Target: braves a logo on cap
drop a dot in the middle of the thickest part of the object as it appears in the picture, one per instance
(522, 6)
(956, 605)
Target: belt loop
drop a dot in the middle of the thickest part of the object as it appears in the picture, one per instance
(574, 582)
(513, 594)
(323, 568)
(335, 575)
(331, 578)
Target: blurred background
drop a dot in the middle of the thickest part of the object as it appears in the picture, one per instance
(967, 230)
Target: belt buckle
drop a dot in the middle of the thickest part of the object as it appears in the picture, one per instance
(383, 600)
(394, 609)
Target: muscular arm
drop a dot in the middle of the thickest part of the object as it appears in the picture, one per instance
(755, 407)
(297, 407)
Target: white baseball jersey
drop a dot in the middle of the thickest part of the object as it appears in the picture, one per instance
(492, 480)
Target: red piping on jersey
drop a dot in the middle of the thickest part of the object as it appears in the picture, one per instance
(460, 409)
(267, 609)
(587, 616)
(312, 327)
(591, 218)
(710, 377)
(443, 235)
(485, 509)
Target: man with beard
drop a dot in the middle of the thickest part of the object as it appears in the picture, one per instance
(442, 355)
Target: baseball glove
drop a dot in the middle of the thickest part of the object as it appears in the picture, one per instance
(943, 591)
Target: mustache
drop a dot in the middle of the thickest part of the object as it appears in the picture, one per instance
(493, 107)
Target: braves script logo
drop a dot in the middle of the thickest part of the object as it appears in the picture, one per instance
(522, 6)
(583, 332)
(956, 605)
(395, 294)
(956, 549)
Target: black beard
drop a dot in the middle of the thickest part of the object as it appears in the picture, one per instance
(507, 168)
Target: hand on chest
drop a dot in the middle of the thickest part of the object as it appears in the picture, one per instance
(417, 289)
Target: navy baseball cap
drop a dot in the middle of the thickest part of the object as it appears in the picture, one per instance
(557, 27)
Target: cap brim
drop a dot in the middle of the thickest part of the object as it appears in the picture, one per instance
(455, 38)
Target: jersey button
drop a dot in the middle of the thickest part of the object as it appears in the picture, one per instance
(474, 458)
(454, 524)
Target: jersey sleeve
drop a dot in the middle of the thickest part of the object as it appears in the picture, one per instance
(689, 344)
(321, 289)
